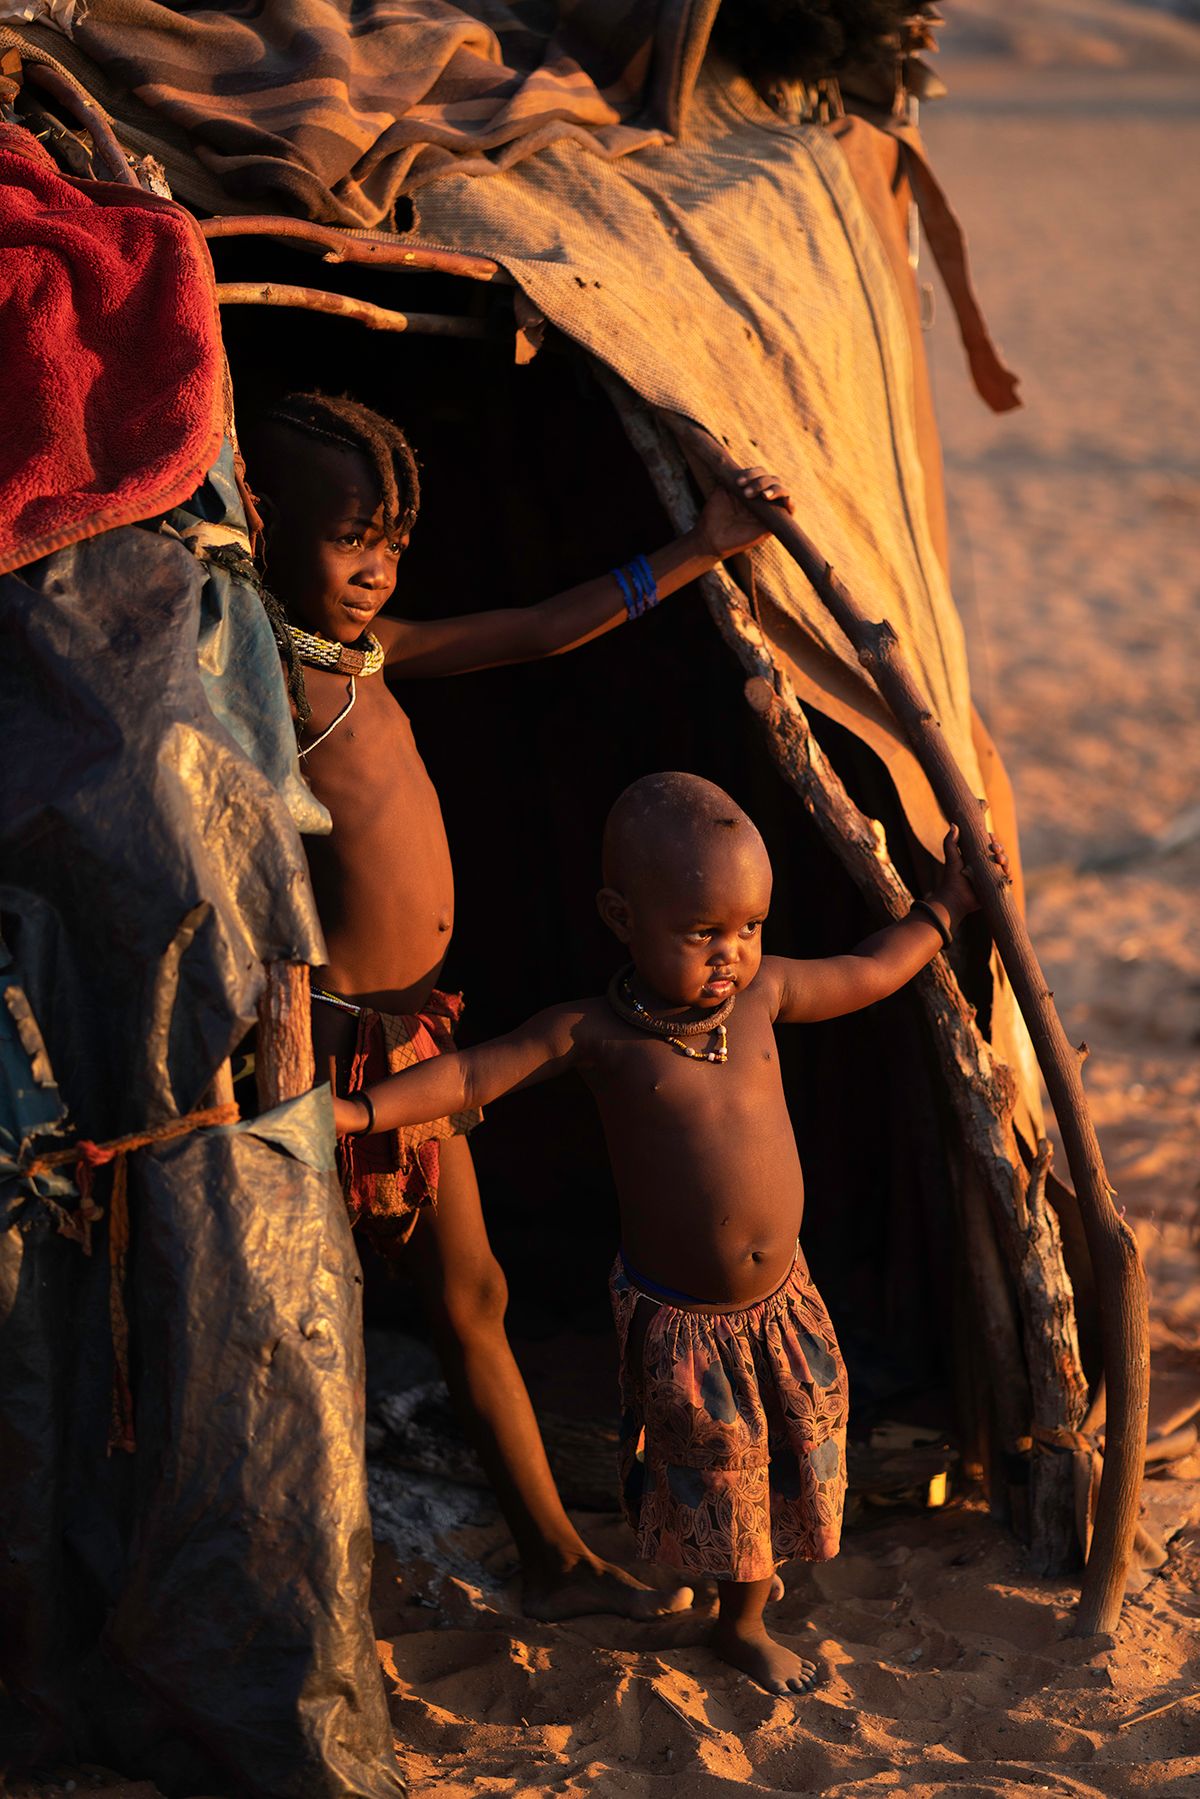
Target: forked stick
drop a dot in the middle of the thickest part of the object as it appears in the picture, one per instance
(1120, 1278)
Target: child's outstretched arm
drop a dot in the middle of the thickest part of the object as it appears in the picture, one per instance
(453, 646)
(543, 1047)
(810, 991)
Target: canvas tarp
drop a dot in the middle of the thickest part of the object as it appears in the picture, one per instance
(784, 336)
(197, 1610)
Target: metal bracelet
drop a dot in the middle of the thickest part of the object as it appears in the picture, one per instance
(943, 931)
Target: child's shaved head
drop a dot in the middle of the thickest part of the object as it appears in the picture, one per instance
(687, 886)
(671, 818)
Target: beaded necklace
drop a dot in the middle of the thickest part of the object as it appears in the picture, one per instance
(627, 1005)
(342, 658)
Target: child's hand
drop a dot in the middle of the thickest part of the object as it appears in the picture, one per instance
(954, 890)
(349, 1116)
(725, 526)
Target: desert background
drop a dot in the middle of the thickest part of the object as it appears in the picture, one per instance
(1070, 146)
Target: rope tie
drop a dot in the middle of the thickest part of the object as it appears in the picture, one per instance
(87, 1157)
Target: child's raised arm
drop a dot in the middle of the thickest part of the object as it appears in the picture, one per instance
(544, 1046)
(835, 985)
(454, 646)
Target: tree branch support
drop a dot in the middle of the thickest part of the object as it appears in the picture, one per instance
(1120, 1278)
(283, 1056)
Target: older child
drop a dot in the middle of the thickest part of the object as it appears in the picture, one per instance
(730, 1366)
(339, 491)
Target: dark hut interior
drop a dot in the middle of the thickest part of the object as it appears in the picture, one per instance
(530, 485)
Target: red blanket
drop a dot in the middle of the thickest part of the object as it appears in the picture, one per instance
(112, 397)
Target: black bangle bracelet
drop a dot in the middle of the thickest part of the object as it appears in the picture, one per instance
(365, 1097)
(943, 931)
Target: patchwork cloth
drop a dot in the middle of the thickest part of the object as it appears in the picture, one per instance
(733, 1430)
(389, 1177)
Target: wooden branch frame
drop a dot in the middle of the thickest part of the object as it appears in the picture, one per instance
(283, 1055)
(342, 306)
(70, 95)
(1120, 1278)
(341, 245)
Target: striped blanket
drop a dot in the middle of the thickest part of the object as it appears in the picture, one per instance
(328, 110)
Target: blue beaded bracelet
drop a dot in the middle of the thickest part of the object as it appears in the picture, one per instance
(647, 587)
(631, 605)
(638, 586)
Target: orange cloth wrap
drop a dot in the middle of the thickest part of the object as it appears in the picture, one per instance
(389, 1177)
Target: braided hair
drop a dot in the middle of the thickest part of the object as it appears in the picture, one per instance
(340, 420)
(344, 421)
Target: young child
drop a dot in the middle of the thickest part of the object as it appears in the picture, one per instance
(339, 494)
(729, 1363)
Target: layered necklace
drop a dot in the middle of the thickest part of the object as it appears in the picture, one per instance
(364, 658)
(626, 1004)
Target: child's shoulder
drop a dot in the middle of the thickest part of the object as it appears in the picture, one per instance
(769, 983)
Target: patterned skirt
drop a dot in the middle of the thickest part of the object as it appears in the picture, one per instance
(733, 1429)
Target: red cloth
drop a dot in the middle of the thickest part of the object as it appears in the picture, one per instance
(111, 347)
(389, 1176)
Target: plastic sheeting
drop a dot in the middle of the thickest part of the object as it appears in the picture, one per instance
(195, 1611)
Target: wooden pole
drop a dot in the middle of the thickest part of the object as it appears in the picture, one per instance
(1043, 1381)
(1120, 1278)
(220, 1090)
(68, 93)
(363, 312)
(341, 245)
(283, 1057)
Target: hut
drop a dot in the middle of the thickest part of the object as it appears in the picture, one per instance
(583, 262)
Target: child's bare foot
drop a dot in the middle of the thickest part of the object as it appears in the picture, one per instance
(590, 1585)
(745, 1644)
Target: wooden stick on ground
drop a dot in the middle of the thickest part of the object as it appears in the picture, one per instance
(1158, 1710)
(1120, 1278)
(363, 312)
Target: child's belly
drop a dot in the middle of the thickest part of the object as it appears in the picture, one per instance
(712, 1213)
(383, 880)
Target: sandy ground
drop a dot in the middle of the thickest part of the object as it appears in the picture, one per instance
(949, 1672)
